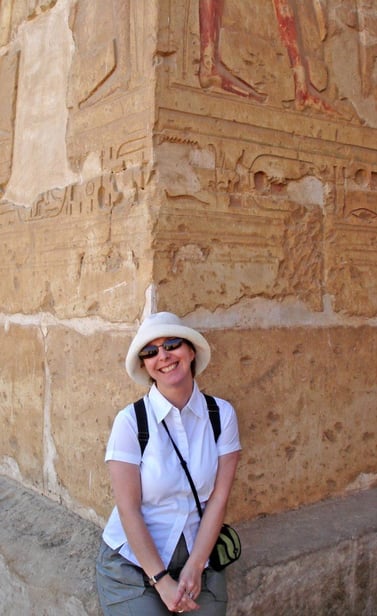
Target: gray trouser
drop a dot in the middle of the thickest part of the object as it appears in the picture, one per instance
(124, 590)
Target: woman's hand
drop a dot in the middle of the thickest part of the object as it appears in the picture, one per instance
(175, 596)
(190, 580)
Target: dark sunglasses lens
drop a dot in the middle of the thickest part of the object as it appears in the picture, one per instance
(149, 351)
(172, 344)
(152, 349)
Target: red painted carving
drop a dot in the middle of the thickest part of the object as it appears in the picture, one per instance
(306, 94)
(212, 71)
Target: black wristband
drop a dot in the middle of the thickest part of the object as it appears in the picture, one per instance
(155, 578)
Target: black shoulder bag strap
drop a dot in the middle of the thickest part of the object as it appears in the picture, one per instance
(184, 466)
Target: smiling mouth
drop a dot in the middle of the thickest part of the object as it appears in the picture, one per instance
(169, 368)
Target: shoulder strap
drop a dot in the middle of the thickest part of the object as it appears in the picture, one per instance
(142, 421)
(214, 415)
(185, 468)
(142, 424)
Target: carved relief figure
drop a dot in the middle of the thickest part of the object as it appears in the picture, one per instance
(306, 95)
(39, 153)
(367, 26)
(12, 14)
(213, 72)
(109, 54)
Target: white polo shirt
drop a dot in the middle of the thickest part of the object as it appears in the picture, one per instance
(168, 505)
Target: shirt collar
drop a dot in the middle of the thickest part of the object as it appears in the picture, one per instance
(162, 406)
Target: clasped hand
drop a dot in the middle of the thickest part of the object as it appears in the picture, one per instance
(180, 596)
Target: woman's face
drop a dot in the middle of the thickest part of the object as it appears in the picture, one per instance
(172, 367)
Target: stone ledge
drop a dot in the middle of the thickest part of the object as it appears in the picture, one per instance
(47, 556)
(319, 560)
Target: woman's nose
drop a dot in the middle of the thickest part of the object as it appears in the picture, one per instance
(162, 352)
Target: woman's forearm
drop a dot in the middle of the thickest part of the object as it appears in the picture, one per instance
(215, 510)
(141, 542)
(125, 480)
(208, 533)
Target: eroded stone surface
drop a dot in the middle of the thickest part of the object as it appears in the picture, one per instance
(314, 561)
(216, 159)
(84, 402)
(47, 556)
(305, 401)
(22, 386)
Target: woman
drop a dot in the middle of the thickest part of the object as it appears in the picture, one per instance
(154, 554)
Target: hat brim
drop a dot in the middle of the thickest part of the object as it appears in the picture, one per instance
(135, 368)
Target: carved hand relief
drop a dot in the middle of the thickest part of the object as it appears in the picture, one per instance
(110, 49)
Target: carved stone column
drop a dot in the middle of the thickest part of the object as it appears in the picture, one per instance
(216, 158)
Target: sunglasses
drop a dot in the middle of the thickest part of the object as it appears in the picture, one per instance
(151, 350)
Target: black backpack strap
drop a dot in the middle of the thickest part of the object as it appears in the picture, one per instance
(214, 415)
(142, 423)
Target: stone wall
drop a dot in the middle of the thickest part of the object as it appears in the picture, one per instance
(213, 158)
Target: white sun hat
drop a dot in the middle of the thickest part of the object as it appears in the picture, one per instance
(164, 325)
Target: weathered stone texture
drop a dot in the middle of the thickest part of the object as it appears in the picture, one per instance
(317, 561)
(47, 557)
(282, 192)
(22, 387)
(74, 258)
(84, 401)
(213, 158)
(306, 404)
(320, 559)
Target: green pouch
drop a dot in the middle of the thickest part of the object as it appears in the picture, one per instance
(227, 548)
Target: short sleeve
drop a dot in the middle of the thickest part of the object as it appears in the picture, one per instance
(229, 440)
(123, 444)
